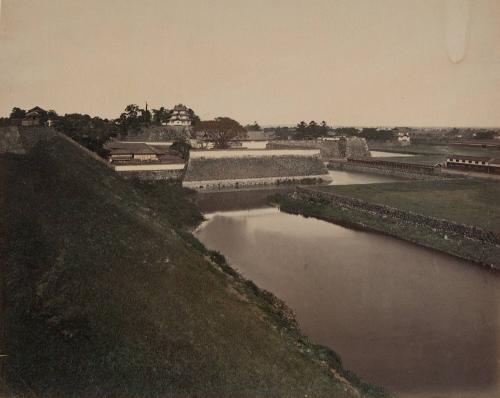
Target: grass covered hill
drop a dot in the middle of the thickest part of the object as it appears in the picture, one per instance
(106, 296)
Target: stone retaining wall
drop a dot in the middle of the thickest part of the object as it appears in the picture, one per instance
(444, 226)
(345, 147)
(388, 171)
(328, 149)
(240, 168)
(168, 175)
(248, 182)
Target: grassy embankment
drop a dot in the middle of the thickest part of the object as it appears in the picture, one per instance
(108, 296)
(469, 202)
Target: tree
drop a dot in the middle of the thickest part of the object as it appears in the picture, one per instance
(194, 117)
(301, 127)
(145, 117)
(160, 116)
(346, 131)
(130, 118)
(91, 132)
(17, 113)
(282, 133)
(220, 131)
(310, 131)
(253, 127)
(182, 147)
(131, 112)
(324, 128)
(374, 134)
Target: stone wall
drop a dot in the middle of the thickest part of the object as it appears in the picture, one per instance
(253, 182)
(254, 167)
(233, 168)
(443, 226)
(330, 149)
(414, 174)
(16, 139)
(168, 175)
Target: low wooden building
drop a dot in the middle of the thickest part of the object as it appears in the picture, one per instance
(147, 161)
(482, 164)
(135, 152)
(34, 117)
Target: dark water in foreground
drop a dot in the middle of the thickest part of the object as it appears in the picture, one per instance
(417, 322)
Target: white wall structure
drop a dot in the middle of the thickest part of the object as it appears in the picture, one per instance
(149, 167)
(241, 153)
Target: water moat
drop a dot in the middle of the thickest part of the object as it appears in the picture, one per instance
(414, 321)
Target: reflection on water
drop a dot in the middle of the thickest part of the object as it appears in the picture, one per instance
(419, 323)
(351, 178)
(253, 198)
(381, 154)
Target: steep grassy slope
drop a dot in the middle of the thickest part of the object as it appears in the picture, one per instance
(106, 298)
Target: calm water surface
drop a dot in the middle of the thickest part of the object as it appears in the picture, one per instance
(417, 322)
(382, 154)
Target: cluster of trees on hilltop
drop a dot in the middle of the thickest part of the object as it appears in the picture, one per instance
(310, 131)
(92, 131)
(313, 130)
(134, 117)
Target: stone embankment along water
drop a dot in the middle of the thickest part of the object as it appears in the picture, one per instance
(444, 226)
(396, 169)
(223, 168)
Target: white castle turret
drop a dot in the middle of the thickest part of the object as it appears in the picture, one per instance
(180, 116)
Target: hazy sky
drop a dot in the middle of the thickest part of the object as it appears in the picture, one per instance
(349, 62)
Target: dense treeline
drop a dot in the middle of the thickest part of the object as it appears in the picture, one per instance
(314, 130)
(92, 131)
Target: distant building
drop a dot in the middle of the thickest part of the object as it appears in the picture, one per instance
(146, 161)
(180, 116)
(492, 143)
(480, 164)
(404, 139)
(34, 117)
(140, 152)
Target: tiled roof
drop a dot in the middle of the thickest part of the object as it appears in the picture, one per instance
(121, 148)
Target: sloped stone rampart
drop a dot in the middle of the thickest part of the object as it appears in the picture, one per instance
(209, 169)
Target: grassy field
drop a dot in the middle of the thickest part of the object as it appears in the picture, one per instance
(106, 295)
(471, 202)
(419, 159)
(454, 244)
(444, 150)
(432, 154)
